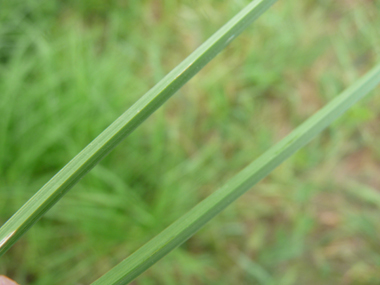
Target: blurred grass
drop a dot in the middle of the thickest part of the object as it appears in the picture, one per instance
(69, 68)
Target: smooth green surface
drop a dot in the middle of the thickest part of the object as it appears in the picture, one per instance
(64, 180)
(187, 225)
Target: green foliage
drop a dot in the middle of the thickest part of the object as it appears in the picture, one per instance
(182, 229)
(95, 151)
(65, 76)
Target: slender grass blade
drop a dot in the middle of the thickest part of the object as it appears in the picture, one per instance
(65, 179)
(191, 222)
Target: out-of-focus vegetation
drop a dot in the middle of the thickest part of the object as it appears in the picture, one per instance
(69, 68)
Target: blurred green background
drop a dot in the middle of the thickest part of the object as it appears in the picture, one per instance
(69, 68)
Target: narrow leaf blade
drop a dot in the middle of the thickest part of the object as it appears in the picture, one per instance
(65, 179)
(191, 222)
